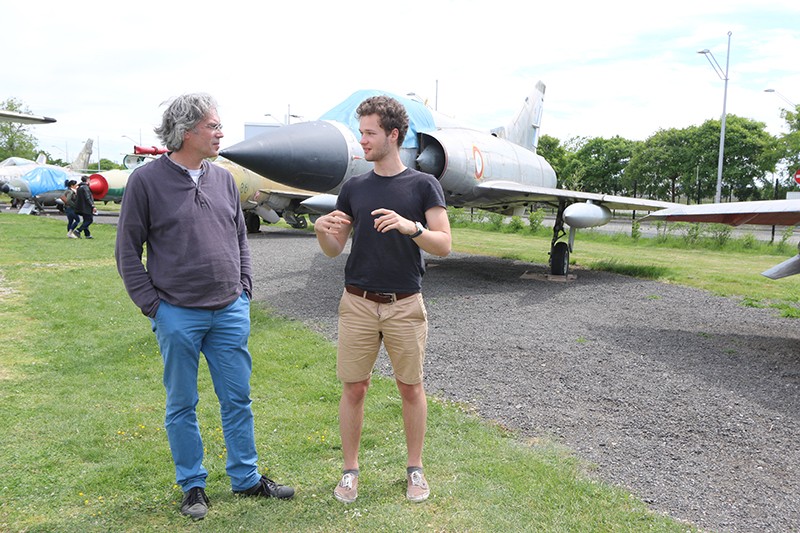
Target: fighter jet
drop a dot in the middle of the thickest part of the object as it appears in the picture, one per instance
(13, 167)
(39, 187)
(36, 184)
(109, 185)
(497, 171)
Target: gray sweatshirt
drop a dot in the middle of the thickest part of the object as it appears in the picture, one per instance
(197, 250)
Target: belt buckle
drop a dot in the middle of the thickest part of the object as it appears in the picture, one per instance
(391, 295)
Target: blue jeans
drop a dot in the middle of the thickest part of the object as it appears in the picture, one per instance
(72, 218)
(222, 336)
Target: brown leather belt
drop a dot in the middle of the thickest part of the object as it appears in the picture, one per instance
(379, 297)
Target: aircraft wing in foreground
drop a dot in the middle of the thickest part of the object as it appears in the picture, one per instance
(497, 171)
(24, 118)
(764, 212)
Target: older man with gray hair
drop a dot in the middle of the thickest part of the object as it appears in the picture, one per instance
(195, 288)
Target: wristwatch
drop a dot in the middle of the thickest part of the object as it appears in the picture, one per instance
(420, 229)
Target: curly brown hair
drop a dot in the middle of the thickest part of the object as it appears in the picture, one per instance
(391, 114)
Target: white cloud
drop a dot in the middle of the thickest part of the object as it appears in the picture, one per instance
(615, 68)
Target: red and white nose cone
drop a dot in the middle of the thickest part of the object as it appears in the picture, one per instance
(98, 185)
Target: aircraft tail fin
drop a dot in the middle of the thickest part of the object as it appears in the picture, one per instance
(81, 162)
(524, 130)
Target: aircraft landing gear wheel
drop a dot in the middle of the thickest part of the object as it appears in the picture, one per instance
(559, 259)
(301, 223)
(253, 222)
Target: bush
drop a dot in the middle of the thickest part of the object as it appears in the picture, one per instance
(663, 230)
(516, 225)
(720, 234)
(748, 241)
(535, 219)
(785, 236)
(636, 230)
(495, 221)
(692, 233)
(458, 216)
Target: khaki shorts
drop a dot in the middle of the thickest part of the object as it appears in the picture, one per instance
(402, 326)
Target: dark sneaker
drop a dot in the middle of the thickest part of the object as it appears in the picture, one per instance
(88, 237)
(268, 489)
(195, 503)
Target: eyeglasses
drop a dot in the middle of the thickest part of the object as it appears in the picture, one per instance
(213, 126)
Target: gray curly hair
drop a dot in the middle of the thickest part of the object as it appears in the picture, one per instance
(182, 114)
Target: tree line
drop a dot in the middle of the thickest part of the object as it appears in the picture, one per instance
(680, 165)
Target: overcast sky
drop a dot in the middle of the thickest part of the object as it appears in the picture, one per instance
(627, 68)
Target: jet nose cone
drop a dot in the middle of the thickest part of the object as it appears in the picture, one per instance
(98, 185)
(307, 155)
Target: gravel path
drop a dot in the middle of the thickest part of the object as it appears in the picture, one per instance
(688, 400)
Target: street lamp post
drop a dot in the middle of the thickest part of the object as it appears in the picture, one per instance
(782, 97)
(270, 115)
(775, 195)
(723, 74)
(290, 116)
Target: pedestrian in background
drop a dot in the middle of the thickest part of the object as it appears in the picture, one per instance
(84, 206)
(70, 202)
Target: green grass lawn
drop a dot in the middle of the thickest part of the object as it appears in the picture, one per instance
(83, 446)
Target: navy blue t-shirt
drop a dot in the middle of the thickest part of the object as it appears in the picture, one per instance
(387, 262)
